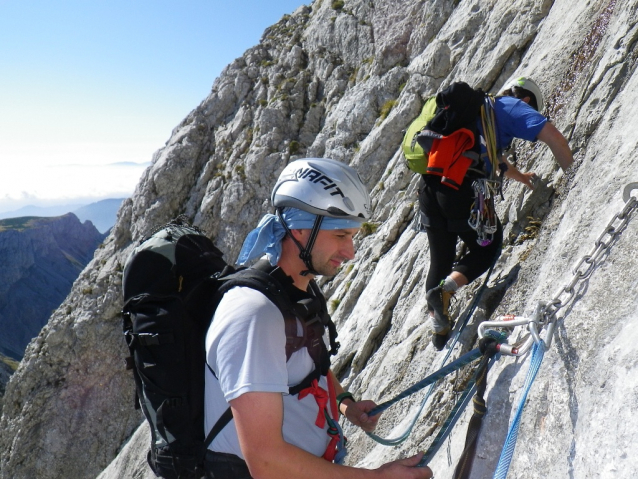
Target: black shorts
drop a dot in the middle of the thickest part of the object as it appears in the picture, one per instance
(219, 465)
(443, 207)
(444, 215)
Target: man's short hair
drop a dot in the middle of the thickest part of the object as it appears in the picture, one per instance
(520, 93)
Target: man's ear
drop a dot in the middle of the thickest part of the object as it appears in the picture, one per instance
(526, 99)
(298, 235)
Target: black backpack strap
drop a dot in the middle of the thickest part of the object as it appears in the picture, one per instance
(275, 285)
(261, 281)
(326, 320)
(217, 428)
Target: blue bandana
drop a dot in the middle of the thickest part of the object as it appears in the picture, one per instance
(266, 238)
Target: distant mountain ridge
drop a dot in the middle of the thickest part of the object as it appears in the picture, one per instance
(44, 211)
(40, 258)
(102, 213)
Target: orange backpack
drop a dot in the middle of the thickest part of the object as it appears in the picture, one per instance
(450, 157)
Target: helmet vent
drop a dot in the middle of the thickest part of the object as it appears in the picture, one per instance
(336, 211)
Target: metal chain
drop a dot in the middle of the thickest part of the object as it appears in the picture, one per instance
(587, 264)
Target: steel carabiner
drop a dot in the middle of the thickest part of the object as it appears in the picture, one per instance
(626, 194)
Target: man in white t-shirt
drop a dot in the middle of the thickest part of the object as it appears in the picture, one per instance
(275, 433)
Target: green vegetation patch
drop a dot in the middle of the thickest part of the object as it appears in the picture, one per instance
(387, 108)
(12, 363)
(18, 224)
(334, 304)
(240, 170)
(368, 228)
(293, 147)
(337, 4)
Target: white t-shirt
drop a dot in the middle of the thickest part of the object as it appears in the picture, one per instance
(246, 347)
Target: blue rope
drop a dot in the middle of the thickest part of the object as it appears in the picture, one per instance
(449, 423)
(452, 418)
(467, 358)
(512, 435)
(455, 338)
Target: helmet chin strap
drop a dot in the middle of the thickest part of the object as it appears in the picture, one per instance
(304, 252)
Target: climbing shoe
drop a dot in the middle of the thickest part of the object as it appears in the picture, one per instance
(439, 340)
(438, 305)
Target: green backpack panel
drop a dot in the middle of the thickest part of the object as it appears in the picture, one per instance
(417, 160)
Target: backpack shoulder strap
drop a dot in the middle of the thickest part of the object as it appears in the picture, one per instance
(221, 423)
(326, 320)
(261, 281)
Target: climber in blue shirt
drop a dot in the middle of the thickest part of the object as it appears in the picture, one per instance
(445, 211)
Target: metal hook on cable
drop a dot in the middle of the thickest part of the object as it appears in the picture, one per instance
(534, 325)
(626, 194)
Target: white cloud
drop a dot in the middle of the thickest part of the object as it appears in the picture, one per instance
(22, 185)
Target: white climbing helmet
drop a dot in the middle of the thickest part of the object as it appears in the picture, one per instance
(530, 85)
(324, 187)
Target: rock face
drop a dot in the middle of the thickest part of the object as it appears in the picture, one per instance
(344, 83)
(7, 366)
(41, 258)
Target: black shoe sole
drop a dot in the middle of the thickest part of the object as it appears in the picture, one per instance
(440, 340)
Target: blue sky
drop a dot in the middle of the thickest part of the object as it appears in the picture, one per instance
(88, 83)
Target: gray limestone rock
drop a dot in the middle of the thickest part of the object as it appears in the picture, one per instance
(344, 84)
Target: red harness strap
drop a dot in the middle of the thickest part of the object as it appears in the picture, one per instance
(321, 396)
(324, 398)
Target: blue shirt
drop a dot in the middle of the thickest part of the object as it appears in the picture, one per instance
(514, 119)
